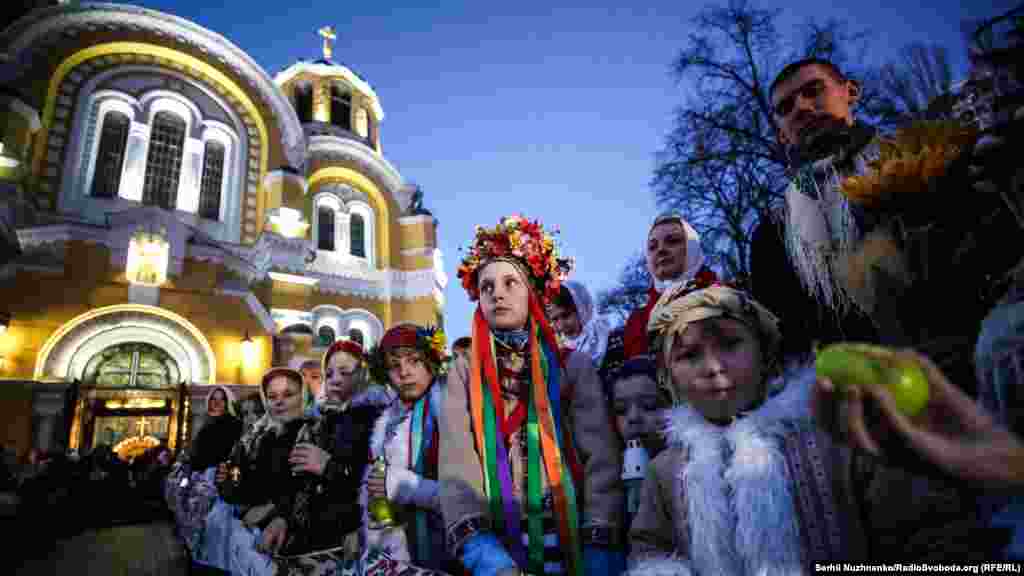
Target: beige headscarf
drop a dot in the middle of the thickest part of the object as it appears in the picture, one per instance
(678, 308)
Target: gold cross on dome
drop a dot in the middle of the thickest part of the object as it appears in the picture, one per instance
(142, 426)
(328, 34)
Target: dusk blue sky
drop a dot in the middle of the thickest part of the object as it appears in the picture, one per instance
(551, 109)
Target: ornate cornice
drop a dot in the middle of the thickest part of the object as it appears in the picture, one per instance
(271, 252)
(35, 34)
(335, 149)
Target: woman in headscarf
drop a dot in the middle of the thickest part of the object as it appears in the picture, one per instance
(674, 256)
(748, 484)
(413, 360)
(220, 431)
(258, 478)
(529, 465)
(573, 316)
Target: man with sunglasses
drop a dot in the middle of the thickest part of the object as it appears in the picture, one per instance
(812, 106)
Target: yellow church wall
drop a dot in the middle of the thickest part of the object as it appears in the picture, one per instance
(39, 304)
(224, 321)
(419, 311)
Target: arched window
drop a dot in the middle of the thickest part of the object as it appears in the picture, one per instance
(110, 158)
(325, 335)
(325, 228)
(341, 107)
(163, 163)
(356, 336)
(213, 179)
(304, 103)
(132, 365)
(357, 235)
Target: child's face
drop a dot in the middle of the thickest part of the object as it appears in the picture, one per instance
(285, 398)
(504, 296)
(340, 377)
(636, 407)
(408, 373)
(313, 379)
(716, 364)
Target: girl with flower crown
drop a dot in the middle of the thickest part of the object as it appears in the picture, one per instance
(529, 465)
(405, 438)
(751, 483)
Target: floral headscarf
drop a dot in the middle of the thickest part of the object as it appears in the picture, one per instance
(677, 309)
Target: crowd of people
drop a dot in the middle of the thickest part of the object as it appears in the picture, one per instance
(696, 439)
(92, 490)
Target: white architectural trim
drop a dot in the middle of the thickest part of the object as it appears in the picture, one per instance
(332, 71)
(156, 101)
(424, 251)
(360, 153)
(418, 219)
(105, 101)
(292, 279)
(328, 199)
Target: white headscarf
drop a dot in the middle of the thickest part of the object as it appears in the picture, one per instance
(593, 337)
(694, 253)
(229, 400)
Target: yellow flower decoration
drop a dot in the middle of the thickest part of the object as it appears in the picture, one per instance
(908, 160)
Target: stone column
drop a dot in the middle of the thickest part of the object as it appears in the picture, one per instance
(191, 176)
(134, 175)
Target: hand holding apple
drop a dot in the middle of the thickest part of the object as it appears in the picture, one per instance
(950, 432)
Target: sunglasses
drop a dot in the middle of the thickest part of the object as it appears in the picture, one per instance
(810, 90)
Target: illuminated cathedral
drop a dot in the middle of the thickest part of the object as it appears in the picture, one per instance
(172, 217)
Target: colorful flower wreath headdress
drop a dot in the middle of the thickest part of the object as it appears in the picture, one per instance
(430, 341)
(524, 243)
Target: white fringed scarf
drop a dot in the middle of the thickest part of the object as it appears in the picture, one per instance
(820, 226)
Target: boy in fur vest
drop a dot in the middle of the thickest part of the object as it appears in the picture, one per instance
(405, 437)
(749, 484)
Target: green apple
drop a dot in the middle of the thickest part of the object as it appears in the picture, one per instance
(855, 364)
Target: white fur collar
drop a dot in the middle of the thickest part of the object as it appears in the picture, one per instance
(735, 487)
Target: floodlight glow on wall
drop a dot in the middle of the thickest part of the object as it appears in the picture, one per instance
(248, 348)
(148, 256)
(288, 223)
